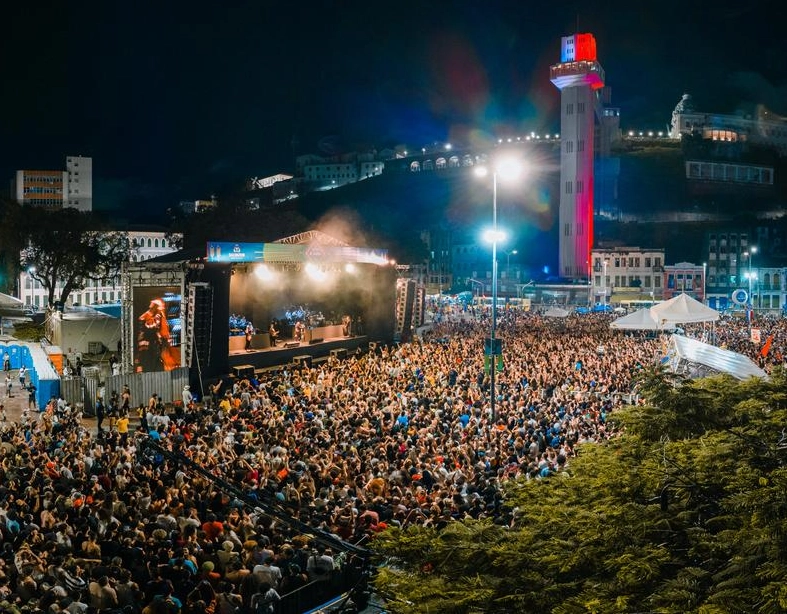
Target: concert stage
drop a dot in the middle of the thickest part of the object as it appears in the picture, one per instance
(287, 351)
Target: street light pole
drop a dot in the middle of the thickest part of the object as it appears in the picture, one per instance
(752, 275)
(704, 271)
(509, 168)
(493, 367)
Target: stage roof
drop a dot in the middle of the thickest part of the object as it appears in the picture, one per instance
(697, 359)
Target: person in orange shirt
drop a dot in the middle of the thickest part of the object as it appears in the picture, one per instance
(122, 427)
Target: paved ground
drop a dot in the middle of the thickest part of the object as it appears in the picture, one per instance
(18, 403)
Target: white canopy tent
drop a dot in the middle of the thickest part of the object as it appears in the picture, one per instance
(642, 319)
(11, 306)
(682, 309)
(697, 359)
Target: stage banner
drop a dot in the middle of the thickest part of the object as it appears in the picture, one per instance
(157, 328)
(283, 252)
(234, 252)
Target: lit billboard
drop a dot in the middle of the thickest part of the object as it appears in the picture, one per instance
(157, 328)
(283, 252)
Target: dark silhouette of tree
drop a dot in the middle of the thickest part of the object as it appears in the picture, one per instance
(70, 247)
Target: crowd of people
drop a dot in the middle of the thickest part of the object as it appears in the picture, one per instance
(93, 521)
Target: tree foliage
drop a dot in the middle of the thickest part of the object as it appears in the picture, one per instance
(686, 512)
(70, 247)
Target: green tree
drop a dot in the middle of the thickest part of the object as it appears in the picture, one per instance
(685, 512)
(69, 247)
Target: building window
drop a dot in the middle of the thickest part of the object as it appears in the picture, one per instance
(581, 145)
(569, 187)
(567, 230)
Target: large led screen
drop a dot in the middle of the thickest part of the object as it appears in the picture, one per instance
(157, 328)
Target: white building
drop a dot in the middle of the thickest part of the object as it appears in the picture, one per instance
(327, 173)
(56, 189)
(79, 189)
(763, 127)
(144, 246)
(627, 271)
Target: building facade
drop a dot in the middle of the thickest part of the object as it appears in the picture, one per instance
(56, 189)
(627, 273)
(684, 278)
(731, 260)
(144, 246)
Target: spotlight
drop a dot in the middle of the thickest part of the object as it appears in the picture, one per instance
(350, 268)
(264, 273)
(314, 272)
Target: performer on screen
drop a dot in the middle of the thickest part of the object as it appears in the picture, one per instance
(153, 342)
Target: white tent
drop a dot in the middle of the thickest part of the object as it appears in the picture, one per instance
(556, 312)
(682, 309)
(10, 306)
(642, 319)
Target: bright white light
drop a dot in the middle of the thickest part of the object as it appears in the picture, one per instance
(509, 168)
(448, 146)
(509, 139)
(557, 136)
(494, 236)
(631, 133)
(314, 272)
(481, 171)
(753, 249)
(264, 273)
(350, 268)
(650, 133)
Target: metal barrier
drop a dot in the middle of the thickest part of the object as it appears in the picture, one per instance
(167, 384)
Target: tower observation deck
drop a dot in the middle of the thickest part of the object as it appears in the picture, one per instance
(579, 77)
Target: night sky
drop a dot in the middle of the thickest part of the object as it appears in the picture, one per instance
(174, 99)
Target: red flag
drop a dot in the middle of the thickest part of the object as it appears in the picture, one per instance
(767, 347)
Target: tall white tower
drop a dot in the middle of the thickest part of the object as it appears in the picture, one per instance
(578, 76)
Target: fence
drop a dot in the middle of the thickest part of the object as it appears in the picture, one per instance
(167, 384)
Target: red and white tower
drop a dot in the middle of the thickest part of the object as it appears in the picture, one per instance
(579, 77)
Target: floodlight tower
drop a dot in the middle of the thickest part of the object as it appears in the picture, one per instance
(579, 77)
